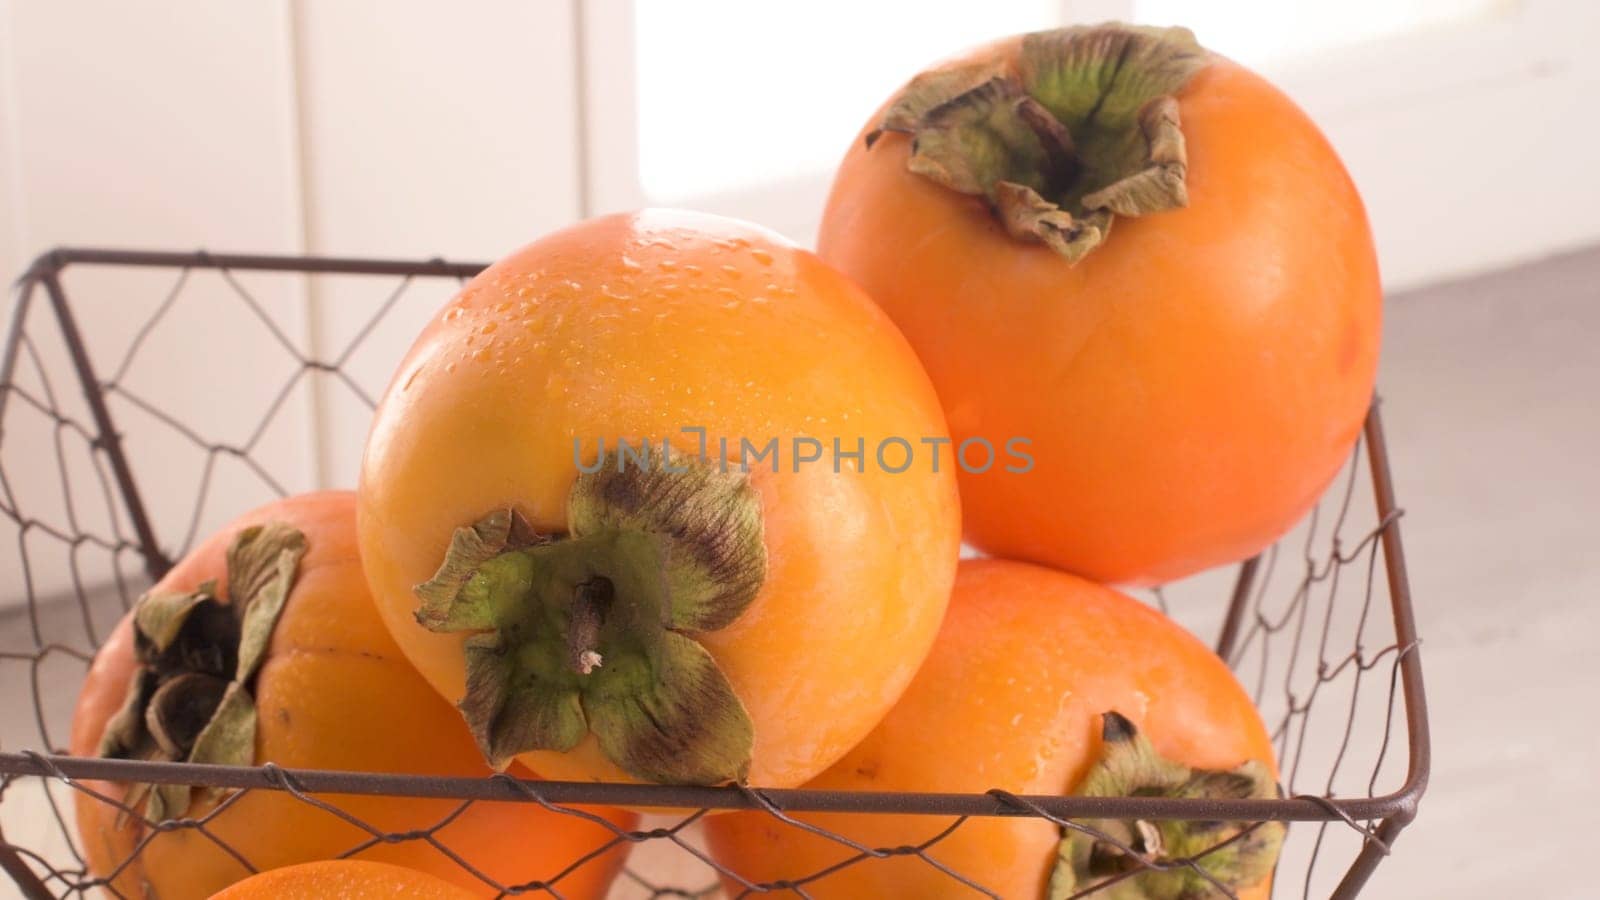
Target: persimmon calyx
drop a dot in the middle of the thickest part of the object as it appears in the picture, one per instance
(1085, 128)
(594, 630)
(1165, 860)
(190, 699)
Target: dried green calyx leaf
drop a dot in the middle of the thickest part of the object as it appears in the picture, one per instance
(1085, 129)
(594, 630)
(190, 699)
(261, 567)
(713, 559)
(1165, 860)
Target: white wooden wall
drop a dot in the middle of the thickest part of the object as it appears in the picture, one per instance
(354, 127)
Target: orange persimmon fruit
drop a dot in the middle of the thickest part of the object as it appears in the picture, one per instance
(1040, 683)
(1143, 259)
(747, 599)
(343, 879)
(263, 645)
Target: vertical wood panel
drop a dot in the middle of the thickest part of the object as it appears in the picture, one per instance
(11, 258)
(135, 126)
(611, 106)
(156, 128)
(436, 130)
(426, 130)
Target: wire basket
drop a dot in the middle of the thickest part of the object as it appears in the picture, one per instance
(110, 468)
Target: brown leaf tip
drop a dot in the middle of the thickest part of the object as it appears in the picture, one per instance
(1116, 728)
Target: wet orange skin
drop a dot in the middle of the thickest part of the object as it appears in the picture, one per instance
(333, 693)
(1189, 387)
(345, 879)
(1011, 697)
(640, 325)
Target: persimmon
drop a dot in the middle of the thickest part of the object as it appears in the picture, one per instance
(1040, 683)
(1138, 256)
(263, 645)
(344, 879)
(682, 617)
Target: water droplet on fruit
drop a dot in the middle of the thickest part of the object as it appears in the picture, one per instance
(761, 256)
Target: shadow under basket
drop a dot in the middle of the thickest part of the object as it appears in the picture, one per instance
(111, 467)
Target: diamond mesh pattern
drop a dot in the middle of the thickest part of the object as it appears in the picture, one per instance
(111, 467)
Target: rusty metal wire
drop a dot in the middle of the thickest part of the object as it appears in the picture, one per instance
(1319, 627)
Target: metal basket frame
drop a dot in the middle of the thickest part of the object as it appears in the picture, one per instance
(1380, 818)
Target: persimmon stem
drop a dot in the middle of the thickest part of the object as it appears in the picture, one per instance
(190, 699)
(1082, 129)
(1141, 856)
(591, 601)
(595, 630)
(1061, 152)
